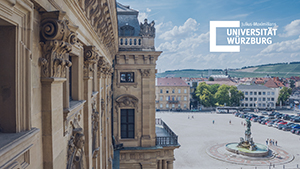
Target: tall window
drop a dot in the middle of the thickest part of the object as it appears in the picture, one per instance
(167, 105)
(127, 123)
(179, 98)
(127, 77)
(161, 91)
(160, 98)
(173, 90)
(184, 98)
(167, 98)
(184, 90)
(167, 91)
(161, 105)
(179, 91)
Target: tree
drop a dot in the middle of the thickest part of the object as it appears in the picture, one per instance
(284, 94)
(235, 96)
(292, 83)
(207, 99)
(204, 94)
(211, 79)
(214, 88)
(222, 95)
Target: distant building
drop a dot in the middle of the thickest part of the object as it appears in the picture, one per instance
(258, 96)
(172, 93)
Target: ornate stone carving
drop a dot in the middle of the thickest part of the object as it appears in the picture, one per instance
(57, 38)
(101, 65)
(90, 58)
(127, 101)
(99, 16)
(145, 72)
(76, 159)
(95, 127)
(147, 29)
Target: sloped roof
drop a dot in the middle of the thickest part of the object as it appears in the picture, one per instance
(251, 87)
(171, 81)
(271, 84)
(123, 9)
(226, 82)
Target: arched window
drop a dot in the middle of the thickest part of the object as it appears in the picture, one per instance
(126, 30)
(121, 42)
(134, 41)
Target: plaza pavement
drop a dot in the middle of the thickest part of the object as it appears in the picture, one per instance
(196, 135)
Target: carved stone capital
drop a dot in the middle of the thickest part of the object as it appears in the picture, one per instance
(57, 38)
(145, 72)
(101, 66)
(90, 58)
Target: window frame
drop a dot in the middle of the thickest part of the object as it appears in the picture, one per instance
(127, 123)
(127, 77)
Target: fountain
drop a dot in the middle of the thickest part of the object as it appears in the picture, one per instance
(247, 146)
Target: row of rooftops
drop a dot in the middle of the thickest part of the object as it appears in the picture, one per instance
(181, 81)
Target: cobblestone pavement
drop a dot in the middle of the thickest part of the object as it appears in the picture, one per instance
(197, 135)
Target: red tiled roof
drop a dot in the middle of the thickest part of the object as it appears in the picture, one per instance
(271, 84)
(170, 81)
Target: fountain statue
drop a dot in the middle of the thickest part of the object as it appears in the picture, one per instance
(248, 142)
(247, 147)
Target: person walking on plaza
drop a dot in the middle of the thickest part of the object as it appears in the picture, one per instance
(213, 122)
(229, 121)
(273, 142)
(276, 142)
(267, 141)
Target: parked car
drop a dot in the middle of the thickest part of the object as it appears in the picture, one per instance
(296, 119)
(237, 114)
(280, 126)
(264, 113)
(288, 127)
(297, 132)
(294, 130)
(270, 124)
(286, 117)
(297, 126)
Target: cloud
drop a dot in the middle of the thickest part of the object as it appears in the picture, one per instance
(291, 29)
(189, 26)
(142, 16)
(148, 10)
(284, 46)
(161, 27)
(186, 44)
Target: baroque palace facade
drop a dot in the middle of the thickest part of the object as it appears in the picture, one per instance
(77, 87)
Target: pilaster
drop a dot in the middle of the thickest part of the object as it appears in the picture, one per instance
(90, 58)
(57, 38)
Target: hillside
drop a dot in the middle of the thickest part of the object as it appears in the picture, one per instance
(278, 70)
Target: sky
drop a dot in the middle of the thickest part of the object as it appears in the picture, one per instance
(182, 31)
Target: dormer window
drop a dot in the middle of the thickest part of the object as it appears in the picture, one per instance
(126, 30)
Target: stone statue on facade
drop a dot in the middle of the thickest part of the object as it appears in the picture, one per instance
(147, 29)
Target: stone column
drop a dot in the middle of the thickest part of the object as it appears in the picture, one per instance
(90, 58)
(165, 164)
(170, 164)
(55, 47)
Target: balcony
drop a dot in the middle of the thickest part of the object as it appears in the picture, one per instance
(130, 43)
(164, 135)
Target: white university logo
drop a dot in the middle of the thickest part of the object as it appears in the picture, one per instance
(237, 36)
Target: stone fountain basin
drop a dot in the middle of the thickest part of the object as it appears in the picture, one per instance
(261, 151)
